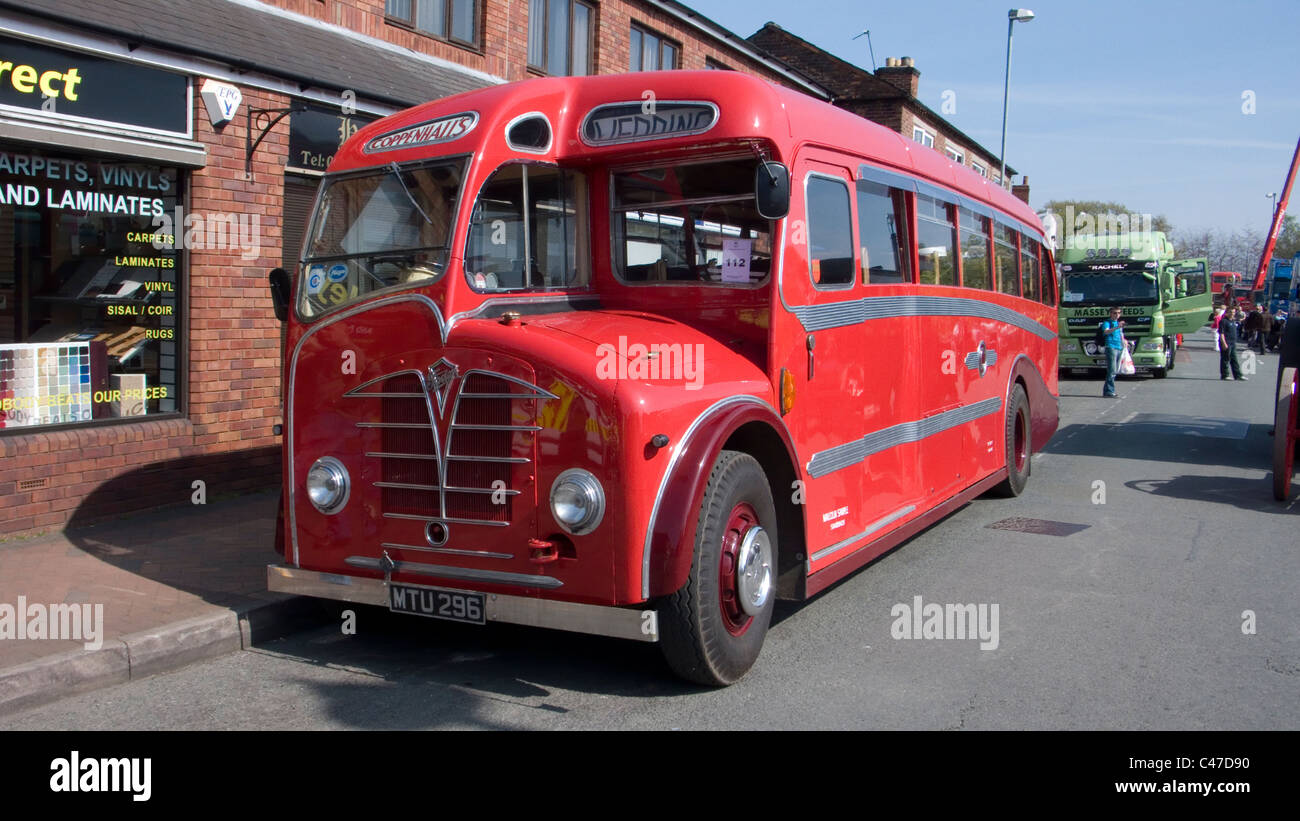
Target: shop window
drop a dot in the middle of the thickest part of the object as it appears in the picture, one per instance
(559, 36)
(651, 51)
(90, 288)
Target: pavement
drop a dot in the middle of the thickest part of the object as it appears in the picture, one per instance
(175, 585)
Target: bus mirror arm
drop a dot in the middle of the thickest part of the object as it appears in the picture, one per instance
(772, 189)
(279, 279)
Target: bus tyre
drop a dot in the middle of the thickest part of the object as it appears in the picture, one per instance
(1017, 444)
(1283, 445)
(712, 629)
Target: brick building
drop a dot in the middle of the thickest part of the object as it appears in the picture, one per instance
(139, 356)
(887, 97)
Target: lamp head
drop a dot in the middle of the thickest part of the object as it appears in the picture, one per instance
(1020, 15)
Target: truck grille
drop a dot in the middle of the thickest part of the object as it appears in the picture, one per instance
(456, 466)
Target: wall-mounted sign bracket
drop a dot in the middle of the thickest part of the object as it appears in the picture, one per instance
(264, 121)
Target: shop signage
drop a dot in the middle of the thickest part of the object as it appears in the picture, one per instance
(221, 99)
(317, 132)
(44, 78)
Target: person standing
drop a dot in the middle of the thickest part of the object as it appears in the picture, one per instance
(1226, 342)
(1253, 329)
(1114, 330)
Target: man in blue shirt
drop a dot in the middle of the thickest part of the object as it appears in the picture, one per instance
(1114, 329)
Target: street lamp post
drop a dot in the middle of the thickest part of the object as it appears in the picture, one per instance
(1013, 16)
(1272, 208)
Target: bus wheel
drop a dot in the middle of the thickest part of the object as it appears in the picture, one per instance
(711, 631)
(1283, 444)
(1018, 445)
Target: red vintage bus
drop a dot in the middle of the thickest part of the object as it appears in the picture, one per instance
(637, 355)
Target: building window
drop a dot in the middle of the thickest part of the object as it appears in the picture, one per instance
(955, 154)
(923, 136)
(651, 52)
(90, 288)
(449, 19)
(559, 36)
(713, 64)
(979, 169)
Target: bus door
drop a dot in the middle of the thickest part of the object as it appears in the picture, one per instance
(850, 364)
(1186, 295)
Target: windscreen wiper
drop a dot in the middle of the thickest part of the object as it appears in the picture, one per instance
(398, 173)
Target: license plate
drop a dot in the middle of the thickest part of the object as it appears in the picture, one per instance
(435, 603)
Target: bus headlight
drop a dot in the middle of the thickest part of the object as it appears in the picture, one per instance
(577, 501)
(328, 485)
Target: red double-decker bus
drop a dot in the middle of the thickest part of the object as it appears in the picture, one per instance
(638, 355)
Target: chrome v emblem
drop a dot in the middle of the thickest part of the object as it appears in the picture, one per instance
(441, 374)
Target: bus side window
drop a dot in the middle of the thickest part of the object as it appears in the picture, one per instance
(1049, 276)
(975, 250)
(936, 240)
(882, 234)
(1029, 267)
(830, 233)
(1004, 250)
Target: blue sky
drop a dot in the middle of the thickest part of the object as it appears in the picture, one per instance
(1138, 102)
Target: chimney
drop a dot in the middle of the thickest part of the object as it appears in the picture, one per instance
(1021, 190)
(901, 74)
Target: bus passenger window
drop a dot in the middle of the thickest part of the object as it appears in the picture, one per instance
(830, 233)
(935, 241)
(1004, 250)
(975, 252)
(1029, 267)
(1049, 277)
(882, 234)
(692, 223)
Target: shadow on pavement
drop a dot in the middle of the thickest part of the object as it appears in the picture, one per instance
(1200, 441)
(1247, 494)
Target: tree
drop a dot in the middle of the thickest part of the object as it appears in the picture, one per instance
(1097, 217)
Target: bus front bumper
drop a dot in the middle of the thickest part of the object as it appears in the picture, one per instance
(599, 620)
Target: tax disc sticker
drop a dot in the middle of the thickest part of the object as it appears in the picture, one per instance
(480, 281)
(338, 272)
(315, 278)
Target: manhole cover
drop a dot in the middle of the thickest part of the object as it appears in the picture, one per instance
(1042, 527)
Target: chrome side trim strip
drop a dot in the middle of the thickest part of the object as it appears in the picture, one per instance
(871, 528)
(480, 554)
(858, 311)
(851, 453)
(672, 463)
(293, 382)
(463, 573)
(445, 519)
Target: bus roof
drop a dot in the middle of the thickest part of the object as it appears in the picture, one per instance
(747, 109)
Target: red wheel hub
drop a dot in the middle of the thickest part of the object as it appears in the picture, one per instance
(742, 518)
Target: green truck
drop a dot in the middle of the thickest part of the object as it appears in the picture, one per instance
(1161, 297)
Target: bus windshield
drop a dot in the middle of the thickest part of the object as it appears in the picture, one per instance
(387, 228)
(1109, 289)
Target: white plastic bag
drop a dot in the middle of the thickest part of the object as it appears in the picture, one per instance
(1126, 363)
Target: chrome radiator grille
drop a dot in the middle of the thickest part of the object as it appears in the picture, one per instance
(451, 467)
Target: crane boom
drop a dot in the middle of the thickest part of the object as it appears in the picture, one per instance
(1278, 218)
